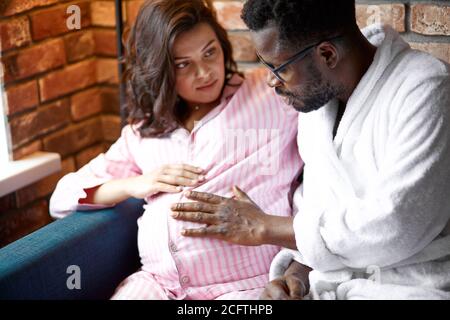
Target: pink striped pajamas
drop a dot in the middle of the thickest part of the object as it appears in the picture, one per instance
(249, 140)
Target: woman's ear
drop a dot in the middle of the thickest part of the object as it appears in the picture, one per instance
(329, 54)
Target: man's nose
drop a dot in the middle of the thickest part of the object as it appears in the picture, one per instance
(273, 81)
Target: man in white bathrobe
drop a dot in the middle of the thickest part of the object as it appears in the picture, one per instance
(372, 213)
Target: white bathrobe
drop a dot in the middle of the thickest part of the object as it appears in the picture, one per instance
(374, 206)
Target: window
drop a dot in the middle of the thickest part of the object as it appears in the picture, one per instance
(4, 141)
(18, 174)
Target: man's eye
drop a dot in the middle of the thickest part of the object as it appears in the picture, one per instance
(271, 66)
(282, 70)
(181, 65)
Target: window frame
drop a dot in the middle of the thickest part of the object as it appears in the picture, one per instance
(16, 174)
(5, 139)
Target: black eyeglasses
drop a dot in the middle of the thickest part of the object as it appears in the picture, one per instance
(300, 55)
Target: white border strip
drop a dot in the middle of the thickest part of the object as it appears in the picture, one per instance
(20, 173)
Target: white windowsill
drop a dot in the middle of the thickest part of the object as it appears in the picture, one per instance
(17, 174)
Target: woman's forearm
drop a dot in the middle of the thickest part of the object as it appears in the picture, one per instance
(109, 193)
(279, 231)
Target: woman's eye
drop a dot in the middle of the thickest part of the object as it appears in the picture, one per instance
(181, 65)
(210, 52)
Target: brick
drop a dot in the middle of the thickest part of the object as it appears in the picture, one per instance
(72, 78)
(392, 14)
(105, 42)
(111, 127)
(44, 187)
(79, 45)
(86, 104)
(103, 13)
(132, 10)
(45, 119)
(229, 14)
(53, 22)
(430, 19)
(24, 128)
(110, 100)
(34, 60)
(107, 71)
(22, 97)
(439, 50)
(243, 49)
(14, 33)
(75, 138)
(8, 202)
(28, 149)
(248, 67)
(13, 7)
(88, 154)
(18, 223)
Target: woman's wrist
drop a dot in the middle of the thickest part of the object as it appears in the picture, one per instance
(113, 192)
(128, 186)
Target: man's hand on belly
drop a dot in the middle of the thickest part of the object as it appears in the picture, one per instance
(237, 220)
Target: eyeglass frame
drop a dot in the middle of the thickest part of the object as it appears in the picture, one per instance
(299, 55)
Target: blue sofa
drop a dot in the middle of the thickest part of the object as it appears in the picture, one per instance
(103, 244)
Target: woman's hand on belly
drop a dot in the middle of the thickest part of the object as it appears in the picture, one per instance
(237, 220)
(169, 178)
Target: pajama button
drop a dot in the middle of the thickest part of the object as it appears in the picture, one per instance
(185, 280)
(173, 247)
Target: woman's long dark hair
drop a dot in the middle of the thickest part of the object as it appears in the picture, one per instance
(149, 67)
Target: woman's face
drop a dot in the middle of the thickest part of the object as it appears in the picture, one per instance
(199, 65)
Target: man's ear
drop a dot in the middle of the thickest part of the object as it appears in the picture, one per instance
(329, 54)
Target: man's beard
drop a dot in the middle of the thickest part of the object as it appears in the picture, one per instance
(316, 93)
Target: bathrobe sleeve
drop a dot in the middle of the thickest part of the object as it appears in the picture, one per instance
(408, 205)
(118, 162)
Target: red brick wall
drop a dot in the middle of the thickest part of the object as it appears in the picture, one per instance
(62, 95)
(61, 85)
(424, 24)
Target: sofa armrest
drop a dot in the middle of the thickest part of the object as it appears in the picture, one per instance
(103, 244)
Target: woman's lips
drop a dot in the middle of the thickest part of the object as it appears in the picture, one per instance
(208, 86)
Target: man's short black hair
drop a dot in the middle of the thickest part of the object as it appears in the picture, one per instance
(300, 21)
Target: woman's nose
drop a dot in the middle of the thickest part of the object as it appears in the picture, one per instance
(272, 81)
(203, 70)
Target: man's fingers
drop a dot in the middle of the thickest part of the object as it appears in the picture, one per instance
(210, 231)
(204, 197)
(265, 295)
(241, 195)
(278, 290)
(199, 217)
(297, 289)
(194, 207)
